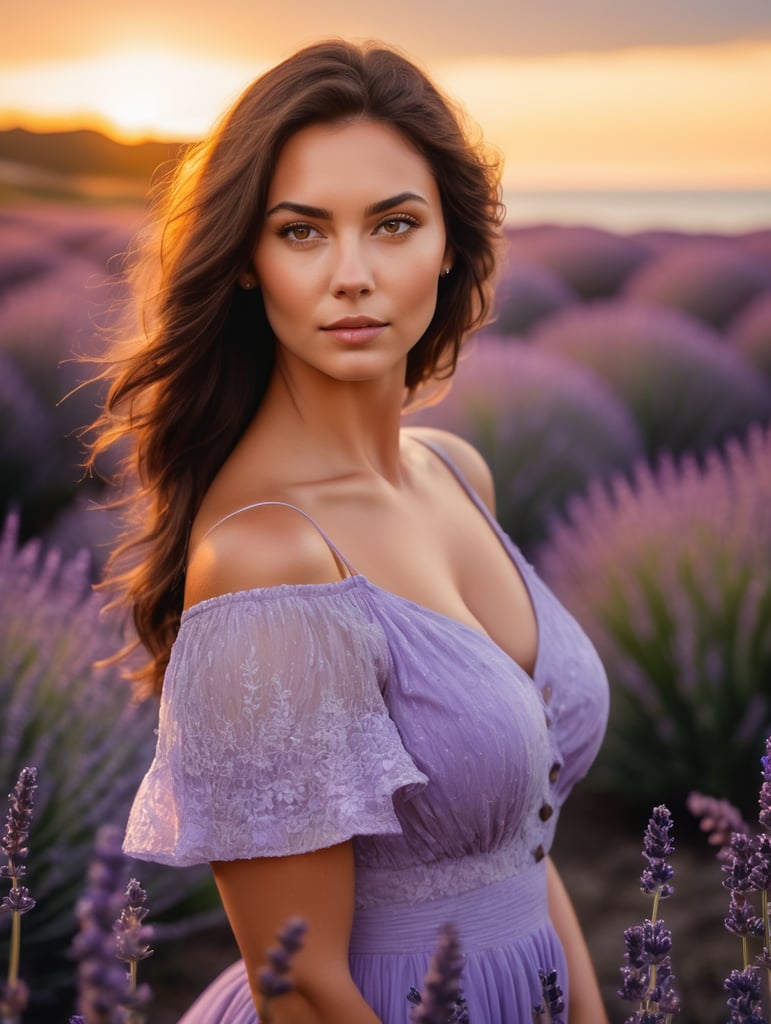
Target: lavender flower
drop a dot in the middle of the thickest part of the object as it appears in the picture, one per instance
(765, 789)
(657, 846)
(718, 818)
(103, 988)
(441, 1001)
(131, 946)
(273, 981)
(131, 935)
(14, 995)
(17, 824)
(737, 865)
(553, 1005)
(18, 901)
(744, 1000)
(760, 863)
(742, 917)
(647, 977)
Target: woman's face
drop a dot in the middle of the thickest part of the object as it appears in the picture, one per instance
(351, 252)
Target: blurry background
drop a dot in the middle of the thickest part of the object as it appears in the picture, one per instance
(622, 397)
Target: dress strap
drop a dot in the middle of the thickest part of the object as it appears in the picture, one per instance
(285, 504)
(456, 472)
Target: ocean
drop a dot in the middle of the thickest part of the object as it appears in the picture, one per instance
(623, 210)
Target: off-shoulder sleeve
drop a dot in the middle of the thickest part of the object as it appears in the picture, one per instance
(273, 734)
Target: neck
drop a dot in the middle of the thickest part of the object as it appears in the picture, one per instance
(333, 428)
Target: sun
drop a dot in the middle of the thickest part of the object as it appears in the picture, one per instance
(134, 94)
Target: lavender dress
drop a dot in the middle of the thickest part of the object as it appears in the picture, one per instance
(296, 717)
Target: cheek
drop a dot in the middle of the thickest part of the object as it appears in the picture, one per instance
(419, 290)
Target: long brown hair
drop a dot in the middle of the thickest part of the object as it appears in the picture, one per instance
(192, 377)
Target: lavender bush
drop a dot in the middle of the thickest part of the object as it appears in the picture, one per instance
(709, 279)
(545, 426)
(591, 261)
(751, 332)
(90, 744)
(525, 294)
(686, 387)
(31, 475)
(25, 252)
(671, 577)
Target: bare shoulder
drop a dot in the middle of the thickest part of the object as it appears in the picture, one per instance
(465, 456)
(264, 546)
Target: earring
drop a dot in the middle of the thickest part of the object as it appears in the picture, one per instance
(446, 271)
(247, 285)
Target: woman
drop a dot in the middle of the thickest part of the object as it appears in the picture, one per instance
(373, 708)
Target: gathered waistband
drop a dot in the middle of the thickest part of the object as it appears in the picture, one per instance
(484, 917)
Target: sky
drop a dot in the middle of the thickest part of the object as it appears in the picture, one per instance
(575, 93)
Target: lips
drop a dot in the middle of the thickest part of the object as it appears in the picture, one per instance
(348, 323)
(353, 330)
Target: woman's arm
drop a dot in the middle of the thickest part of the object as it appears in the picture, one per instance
(585, 999)
(260, 895)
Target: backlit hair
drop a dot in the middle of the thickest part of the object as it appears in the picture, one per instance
(184, 388)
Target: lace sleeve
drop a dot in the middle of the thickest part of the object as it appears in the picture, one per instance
(273, 735)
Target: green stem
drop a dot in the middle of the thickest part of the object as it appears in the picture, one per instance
(746, 951)
(655, 910)
(13, 961)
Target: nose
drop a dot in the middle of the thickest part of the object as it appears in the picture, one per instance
(352, 274)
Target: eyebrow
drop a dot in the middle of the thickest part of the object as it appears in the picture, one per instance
(319, 213)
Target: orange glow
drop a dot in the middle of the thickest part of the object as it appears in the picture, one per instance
(635, 118)
(669, 117)
(132, 94)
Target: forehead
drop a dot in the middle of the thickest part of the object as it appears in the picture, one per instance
(350, 159)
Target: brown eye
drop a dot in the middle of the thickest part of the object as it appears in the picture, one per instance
(300, 232)
(392, 227)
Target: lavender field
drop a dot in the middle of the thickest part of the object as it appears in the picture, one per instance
(623, 400)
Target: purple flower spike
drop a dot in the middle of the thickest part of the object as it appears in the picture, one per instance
(103, 986)
(273, 981)
(765, 789)
(553, 1006)
(718, 818)
(18, 901)
(647, 975)
(742, 919)
(17, 823)
(760, 863)
(657, 942)
(744, 1000)
(657, 847)
(736, 866)
(441, 1001)
(131, 935)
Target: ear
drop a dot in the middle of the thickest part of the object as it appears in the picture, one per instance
(448, 259)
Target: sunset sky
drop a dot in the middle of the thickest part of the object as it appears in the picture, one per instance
(589, 93)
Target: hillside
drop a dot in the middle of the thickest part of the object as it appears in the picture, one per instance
(84, 153)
